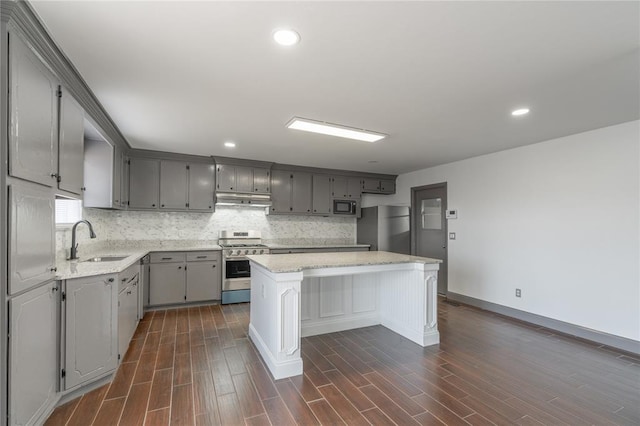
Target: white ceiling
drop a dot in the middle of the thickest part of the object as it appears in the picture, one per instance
(439, 77)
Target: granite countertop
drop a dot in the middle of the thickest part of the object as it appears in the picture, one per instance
(299, 261)
(314, 246)
(68, 269)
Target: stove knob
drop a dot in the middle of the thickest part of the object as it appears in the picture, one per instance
(237, 252)
(246, 252)
(229, 252)
(255, 251)
(261, 251)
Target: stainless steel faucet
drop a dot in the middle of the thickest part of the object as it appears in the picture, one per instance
(74, 245)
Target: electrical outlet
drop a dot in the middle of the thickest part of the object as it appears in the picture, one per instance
(518, 292)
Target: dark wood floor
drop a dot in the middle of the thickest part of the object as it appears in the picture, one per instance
(196, 366)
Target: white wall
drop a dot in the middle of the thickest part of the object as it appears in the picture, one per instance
(559, 219)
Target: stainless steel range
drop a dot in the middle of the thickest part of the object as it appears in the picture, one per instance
(236, 272)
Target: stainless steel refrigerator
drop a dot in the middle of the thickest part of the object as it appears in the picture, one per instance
(385, 228)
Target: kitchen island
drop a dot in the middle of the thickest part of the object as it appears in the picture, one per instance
(298, 295)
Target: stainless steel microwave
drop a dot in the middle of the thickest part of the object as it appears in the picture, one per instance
(347, 207)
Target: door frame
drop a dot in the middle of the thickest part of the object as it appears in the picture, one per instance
(416, 217)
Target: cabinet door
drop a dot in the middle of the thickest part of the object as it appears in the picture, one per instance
(99, 166)
(203, 281)
(33, 354)
(354, 188)
(144, 183)
(167, 281)
(370, 185)
(322, 200)
(281, 191)
(116, 185)
(387, 186)
(261, 180)
(174, 177)
(127, 318)
(339, 187)
(33, 121)
(244, 179)
(32, 253)
(201, 188)
(301, 192)
(71, 145)
(91, 328)
(124, 183)
(225, 177)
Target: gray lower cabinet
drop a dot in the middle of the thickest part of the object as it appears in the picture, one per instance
(90, 308)
(178, 277)
(167, 283)
(33, 124)
(31, 236)
(322, 198)
(144, 183)
(127, 317)
(71, 145)
(174, 178)
(33, 354)
(203, 281)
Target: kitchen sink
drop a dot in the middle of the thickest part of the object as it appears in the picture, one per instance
(106, 259)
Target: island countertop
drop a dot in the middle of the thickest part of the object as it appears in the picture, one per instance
(278, 263)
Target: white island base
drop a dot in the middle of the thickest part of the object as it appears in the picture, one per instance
(320, 298)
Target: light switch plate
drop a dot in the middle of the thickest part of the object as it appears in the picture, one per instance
(452, 235)
(451, 214)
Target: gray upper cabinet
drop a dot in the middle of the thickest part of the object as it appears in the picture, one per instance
(201, 186)
(339, 187)
(379, 186)
(144, 183)
(91, 329)
(261, 180)
(33, 354)
(225, 177)
(103, 169)
(32, 239)
(71, 145)
(233, 178)
(124, 182)
(174, 177)
(387, 186)
(301, 185)
(281, 191)
(354, 187)
(322, 198)
(33, 122)
(244, 179)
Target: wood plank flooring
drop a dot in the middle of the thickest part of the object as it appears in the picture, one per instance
(195, 366)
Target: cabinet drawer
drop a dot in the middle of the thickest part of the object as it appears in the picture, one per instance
(166, 257)
(198, 256)
(127, 275)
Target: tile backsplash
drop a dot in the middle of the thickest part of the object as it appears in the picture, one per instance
(111, 225)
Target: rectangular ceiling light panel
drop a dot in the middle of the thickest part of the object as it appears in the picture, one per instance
(334, 130)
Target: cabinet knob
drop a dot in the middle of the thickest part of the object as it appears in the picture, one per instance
(209, 206)
(179, 267)
(84, 188)
(153, 205)
(110, 280)
(213, 266)
(53, 269)
(124, 279)
(161, 205)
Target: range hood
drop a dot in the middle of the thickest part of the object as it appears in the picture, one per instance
(240, 199)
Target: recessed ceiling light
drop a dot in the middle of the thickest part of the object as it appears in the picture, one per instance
(286, 37)
(373, 162)
(230, 144)
(334, 130)
(520, 111)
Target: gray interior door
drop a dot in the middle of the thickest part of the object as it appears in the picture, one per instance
(429, 230)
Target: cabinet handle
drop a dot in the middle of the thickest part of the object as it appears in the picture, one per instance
(129, 292)
(110, 280)
(124, 279)
(84, 188)
(53, 269)
(167, 258)
(201, 257)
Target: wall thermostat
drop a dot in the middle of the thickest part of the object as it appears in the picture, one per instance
(452, 214)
